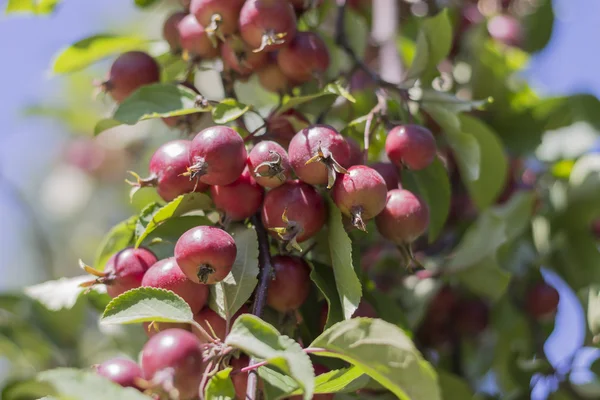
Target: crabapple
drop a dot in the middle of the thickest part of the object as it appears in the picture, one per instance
(172, 360)
(269, 165)
(240, 380)
(505, 29)
(389, 173)
(410, 145)
(205, 254)
(237, 56)
(294, 212)
(166, 274)
(217, 155)
(356, 153)
(471, 317)
(213, 323)
(129, 72)
(305, 57)
(280, 128)
(121, 371)
(123, 271)
(316, 153)
(167, 167)
(171, 32)
(404, 218)
(442, 306)
(195, 40)
(219, 17)
(360, 194)
(290, 288)
(267, 24)
(272, 78)
(238, 200)
(541, 301)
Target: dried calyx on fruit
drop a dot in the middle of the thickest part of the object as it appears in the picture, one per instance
(123, 271)
(218, 17)
(167, 167)
(269, 165)
(195, 40)
(172, 363)
(360, 194)
(318, 153)
(293, 212)
(129, 72)
(267, 25)
(237, 56)
(205, 254)
(217, 156)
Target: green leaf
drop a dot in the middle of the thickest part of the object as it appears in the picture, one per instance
(76, 384)
(25, 390)
(61, 293)
(347, 380)
(336, 88)
(220, 386)
(388, 308)
(145, 217)
(322, 275)
(162, 240)
(228, 110)
(38, 7)
(159, 100)
(453, 387)
(340, 248)
(93, 49)
(105, 124)
(230, 294)
(384, 352)
(145, 3)
(478, 152)
(450, 102)
(259, 339)
(118, 238)
(538, 26)
(485, 278)
(493, 166)
(433, 44)
(433, 186)
(179, 206)
(494, 227)
(276, 385)
(147, 304)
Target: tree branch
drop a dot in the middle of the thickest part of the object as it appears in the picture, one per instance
(260, 298)
(342, 41)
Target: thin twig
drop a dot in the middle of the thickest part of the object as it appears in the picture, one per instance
(260, 298)
(266, 268)
(341, 40)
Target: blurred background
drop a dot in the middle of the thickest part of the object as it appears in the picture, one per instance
(61, 191)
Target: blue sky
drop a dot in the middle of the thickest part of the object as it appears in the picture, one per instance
(569, 64)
